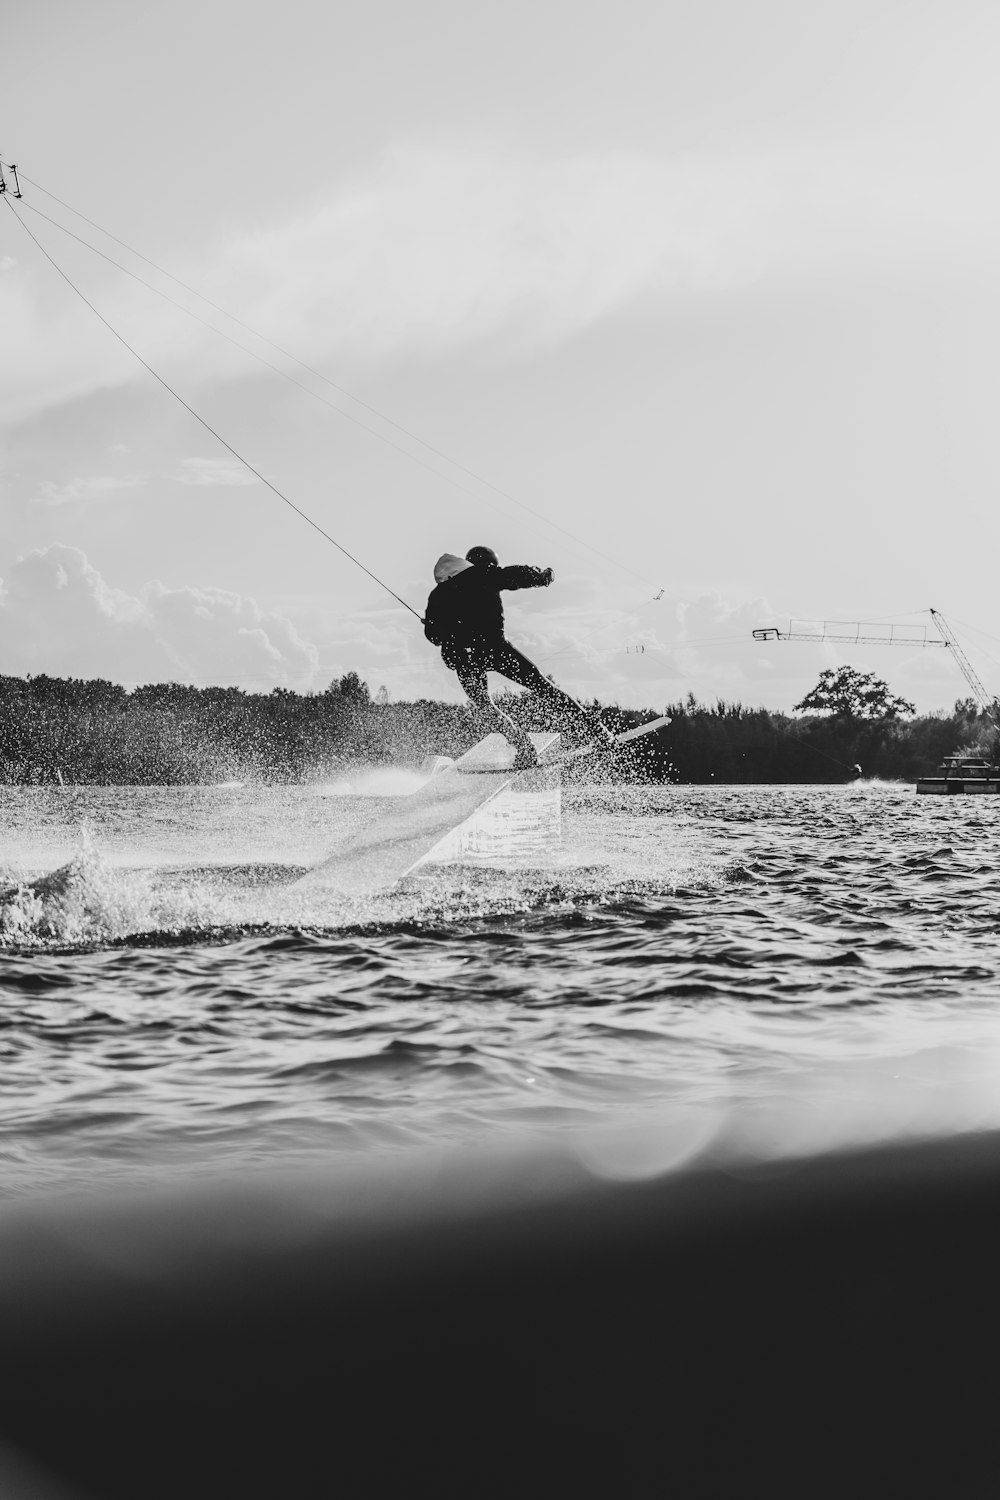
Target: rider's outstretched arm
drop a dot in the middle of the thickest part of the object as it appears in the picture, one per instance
(522, 576)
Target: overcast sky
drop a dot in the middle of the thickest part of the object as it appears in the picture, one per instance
(697, 297)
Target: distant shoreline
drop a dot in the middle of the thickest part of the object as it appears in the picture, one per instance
(94, 732)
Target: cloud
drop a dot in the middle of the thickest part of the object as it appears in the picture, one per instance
(661, 650)
(386, 650)
(709, 626)
(215, 471)
(651, 651)
(436, 249)
(95, 487)
(439, 249)
(59, 615)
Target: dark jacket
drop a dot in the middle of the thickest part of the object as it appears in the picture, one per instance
(466, 612)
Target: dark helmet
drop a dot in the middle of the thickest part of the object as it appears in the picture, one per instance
(482, 557)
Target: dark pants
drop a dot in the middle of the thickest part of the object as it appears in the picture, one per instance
(471, 665)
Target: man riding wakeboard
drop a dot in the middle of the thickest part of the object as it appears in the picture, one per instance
(465, 618)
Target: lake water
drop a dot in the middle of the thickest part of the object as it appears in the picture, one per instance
(780, 969)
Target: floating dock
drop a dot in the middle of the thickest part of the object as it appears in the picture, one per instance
(969, 774)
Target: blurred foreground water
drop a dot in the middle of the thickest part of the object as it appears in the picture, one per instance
(758, 970)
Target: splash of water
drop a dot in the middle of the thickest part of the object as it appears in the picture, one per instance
(377, 781)
(88, 902)
(82, 901)
(233, 878)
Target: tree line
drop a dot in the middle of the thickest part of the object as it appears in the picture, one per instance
(97, 732)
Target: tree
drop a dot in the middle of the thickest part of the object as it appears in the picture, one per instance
(351, 688)
(849, 694)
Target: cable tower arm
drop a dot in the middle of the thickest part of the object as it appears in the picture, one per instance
(863, 634)
(987, 703)
(860, 634)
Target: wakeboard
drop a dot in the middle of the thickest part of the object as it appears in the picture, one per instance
(578, 752)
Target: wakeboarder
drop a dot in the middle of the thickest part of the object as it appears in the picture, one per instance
(465, 618)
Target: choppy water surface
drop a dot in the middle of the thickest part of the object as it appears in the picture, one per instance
(780, 967)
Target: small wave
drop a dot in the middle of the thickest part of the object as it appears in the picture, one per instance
(81, 902)
(92, 903)
(89, 903)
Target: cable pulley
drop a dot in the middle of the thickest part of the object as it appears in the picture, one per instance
(5, 186)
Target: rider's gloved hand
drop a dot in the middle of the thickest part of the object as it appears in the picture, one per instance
(547, 576)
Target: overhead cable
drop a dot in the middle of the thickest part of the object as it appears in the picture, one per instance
(405, 431)
(207, 425)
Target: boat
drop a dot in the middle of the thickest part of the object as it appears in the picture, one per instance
(962, 773)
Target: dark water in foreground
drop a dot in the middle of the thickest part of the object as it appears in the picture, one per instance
(777, 968)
